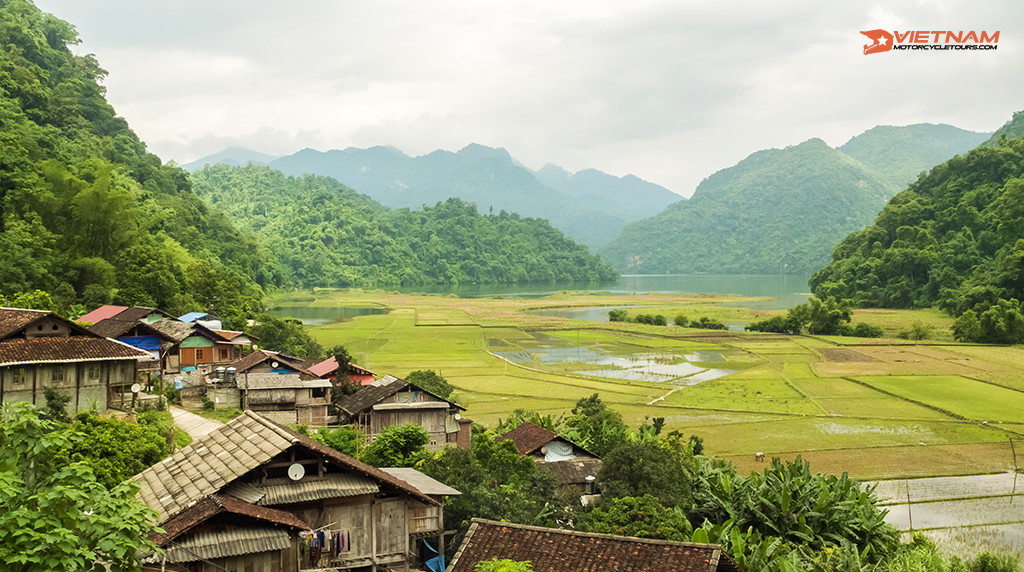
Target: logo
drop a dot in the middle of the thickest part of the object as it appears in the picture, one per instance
(885, 41)
(882, 42)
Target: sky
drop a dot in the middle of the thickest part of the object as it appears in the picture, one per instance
(670, 91)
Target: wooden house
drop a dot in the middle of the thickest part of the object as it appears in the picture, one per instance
(569, 464)
(391, 401)
(277, 386)
(39, 350)
(198, 348)
(133, 326)
(555, 550)
(254, 495)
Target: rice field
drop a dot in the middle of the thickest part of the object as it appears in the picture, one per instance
(872, 408)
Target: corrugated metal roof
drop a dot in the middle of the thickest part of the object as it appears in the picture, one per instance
(333, 485)
(424, 483)
(413, 405)
(102, 313)
(245, 491)
(224, 543)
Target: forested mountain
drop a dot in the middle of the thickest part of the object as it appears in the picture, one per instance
(955, 239)
(592, 207)
(900, 154)
(783, 210)
(86, 213)
(330, 235)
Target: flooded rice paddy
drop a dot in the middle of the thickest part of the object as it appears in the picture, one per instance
(615, 361)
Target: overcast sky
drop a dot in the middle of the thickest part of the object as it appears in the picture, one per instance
(670, 91)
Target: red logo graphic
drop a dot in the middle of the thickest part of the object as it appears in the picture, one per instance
(882, 41)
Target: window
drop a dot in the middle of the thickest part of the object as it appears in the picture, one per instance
(57, 374)
(199, 354)
(92, 372)
(18, 375)
(223, 354)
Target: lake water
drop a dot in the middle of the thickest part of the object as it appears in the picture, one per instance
(318, 315)
(788, 290)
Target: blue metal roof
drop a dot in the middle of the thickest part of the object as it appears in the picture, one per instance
(192, 317)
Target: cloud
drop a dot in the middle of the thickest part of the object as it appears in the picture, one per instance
(669, 91)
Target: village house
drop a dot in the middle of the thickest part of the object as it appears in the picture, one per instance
(555, 550)
(277, 386)
(40, 350)
(133, 326)
(254, 495)
(392, 401)
(572, 466)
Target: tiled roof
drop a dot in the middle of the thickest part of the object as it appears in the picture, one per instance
(572, 472)
(210, 506)
(116, 327)
(427, 485)
(13, 320)
(174, 329)
(367, 396)
(102, 313)
(257, 357)
(529, 437)
(214, 461)
(65, 350)
(554, 550)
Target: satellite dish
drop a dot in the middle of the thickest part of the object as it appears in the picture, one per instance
(136, 388)
(296, 471)
(274, 364)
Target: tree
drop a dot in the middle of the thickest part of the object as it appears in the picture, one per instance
(646, 468)
(58, 516)
(431, 381)
(397, 446)
(618, 315)
(344, 438)
(595, 427)
(643, 516)
(114, 450)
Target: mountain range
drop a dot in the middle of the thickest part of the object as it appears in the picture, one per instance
(590, 206)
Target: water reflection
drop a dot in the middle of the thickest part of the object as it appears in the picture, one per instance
(321, 315)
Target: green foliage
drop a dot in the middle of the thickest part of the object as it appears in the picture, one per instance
(644, 516)
(344, 438)
(329, 235)
(821, 316)
(56, 405)
(680, 320)
(208, 404)
(706, 323)
(56, 516)
(431, 381)
(917, 331)
(594, 426)
(397, 446)
(520, 416)
(649, 467)
(988, 562)
(285, 335)
(116, 450)
(618, 315)
(503, 565)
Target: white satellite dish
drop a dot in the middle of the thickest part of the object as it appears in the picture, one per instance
(274, 364)
(136, 388)
(296, 471)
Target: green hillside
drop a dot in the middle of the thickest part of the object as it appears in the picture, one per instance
(955, 239)
(86, 213)
(330, 235)
(783, 210)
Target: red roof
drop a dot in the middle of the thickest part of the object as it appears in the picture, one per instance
(102, 313)
(330, 365)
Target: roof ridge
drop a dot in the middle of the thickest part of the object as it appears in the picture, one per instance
(619, 537)
(269, 424)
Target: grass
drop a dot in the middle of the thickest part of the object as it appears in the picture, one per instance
(222, 415)
(873, 408)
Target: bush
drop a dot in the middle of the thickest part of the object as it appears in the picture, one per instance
(208, 404)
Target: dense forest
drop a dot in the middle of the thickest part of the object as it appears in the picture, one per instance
(329, 235)
(783, 210)
(86, 214)
(954, 239)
